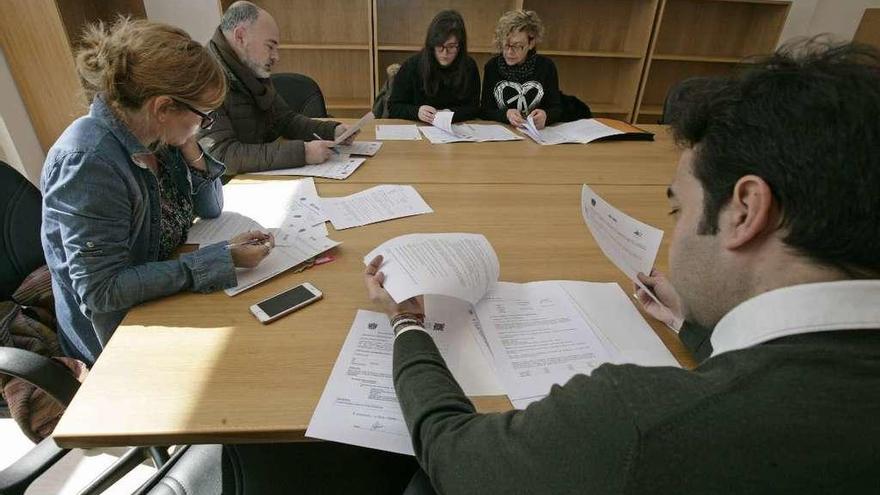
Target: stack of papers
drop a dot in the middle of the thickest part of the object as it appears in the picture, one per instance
(375, 204)
(364, 148)
(338, 167)
(580, 131)
(285, 208)
(406, 132)
(281, 259)
(443, 131)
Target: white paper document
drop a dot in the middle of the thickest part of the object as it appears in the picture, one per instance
(406, 132)
(544, 333)
(456, 265)
(469, 133)
(363, 148)
(285, 208)
(630, 244)
(580, 131)
(338, 167)
(281, 259)
(368, 117)
(443, 121)
(456, 330)
(358, 405)
(375, 204)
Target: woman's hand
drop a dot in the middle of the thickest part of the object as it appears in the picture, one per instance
(539, 117)
(249, 248)
(515, 118)
(192, 154)
(670, 309)
(427, 113)
(374, 279)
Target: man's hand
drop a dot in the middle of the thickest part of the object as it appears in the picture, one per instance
(374, 279)
(318, 151)
(342, 129)
(670, 309)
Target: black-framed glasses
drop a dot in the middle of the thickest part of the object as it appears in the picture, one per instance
(207, 118)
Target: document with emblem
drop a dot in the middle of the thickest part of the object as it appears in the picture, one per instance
(376, 204)
(630, 244)
(363, 148)
(338, 167)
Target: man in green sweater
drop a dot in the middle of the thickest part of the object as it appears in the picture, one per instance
(777, 249)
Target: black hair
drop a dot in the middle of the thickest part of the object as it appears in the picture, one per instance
(445, 24)
(807, 121)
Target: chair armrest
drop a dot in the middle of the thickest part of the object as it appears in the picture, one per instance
(17, 477)
(49, 375)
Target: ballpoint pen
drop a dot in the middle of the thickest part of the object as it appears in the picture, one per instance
(332, 148)
(252, 242)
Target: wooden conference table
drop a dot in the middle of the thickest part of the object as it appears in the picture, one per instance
(197, 368)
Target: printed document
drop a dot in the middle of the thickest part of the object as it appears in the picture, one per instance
(630, 244)
(375, 204)
(456, 265)
(407, 132)
(580, 131)
(358, 405)
(281, 259)
(469, 133)
(363, 148)
(368, 117)
(282, 207)
(338, 167)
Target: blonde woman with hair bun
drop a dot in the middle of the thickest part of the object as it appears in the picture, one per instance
(123, 184)
(517, 82)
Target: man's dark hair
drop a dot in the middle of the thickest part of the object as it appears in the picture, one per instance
(238, 13)
(806, 120)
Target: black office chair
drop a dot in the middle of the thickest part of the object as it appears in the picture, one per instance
(20, 249)
(301, 93)
(21, 252)
(678, 96)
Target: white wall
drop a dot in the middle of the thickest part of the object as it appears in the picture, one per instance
(18, 141)
(197, 17)
(840, 18)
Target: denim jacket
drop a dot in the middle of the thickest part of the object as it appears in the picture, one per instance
(101, 227)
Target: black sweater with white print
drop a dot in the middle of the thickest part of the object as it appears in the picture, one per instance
(527, 86)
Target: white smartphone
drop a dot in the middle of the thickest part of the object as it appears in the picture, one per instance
(275, 307)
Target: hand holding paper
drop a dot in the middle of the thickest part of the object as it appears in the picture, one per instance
(351, 131)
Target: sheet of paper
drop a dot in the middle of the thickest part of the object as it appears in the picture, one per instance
(358, 405)
(488, 132)
(456, 330)
(368, 117)
(407, 132)
(375, 204)
(630, 244)
(338, 167)
(456, 265)
(281, 259)
(531, 130)
(537, 337)
(438, 136)
(443, 121)
(282, 207)
(363, 148)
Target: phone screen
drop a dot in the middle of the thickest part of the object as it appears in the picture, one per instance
(285, 300)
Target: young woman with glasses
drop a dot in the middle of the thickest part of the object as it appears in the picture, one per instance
(123, 184)
(442, 76)
(518, 83)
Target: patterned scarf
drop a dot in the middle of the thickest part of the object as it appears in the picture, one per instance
(520, 72)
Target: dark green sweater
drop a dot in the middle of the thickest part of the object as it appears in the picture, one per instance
(799, 414)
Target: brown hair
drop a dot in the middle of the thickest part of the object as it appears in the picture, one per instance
(518, 20)
(134, 60)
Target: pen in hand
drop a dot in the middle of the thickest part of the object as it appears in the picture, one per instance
(252, 242)
(332, 148)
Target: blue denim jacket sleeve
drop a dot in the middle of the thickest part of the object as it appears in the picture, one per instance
(206, 188)
(96, 206)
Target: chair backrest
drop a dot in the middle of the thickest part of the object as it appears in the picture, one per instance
(678, 95)
(301, 93)
(21, 251)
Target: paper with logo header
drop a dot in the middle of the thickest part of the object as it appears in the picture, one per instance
(630, 244)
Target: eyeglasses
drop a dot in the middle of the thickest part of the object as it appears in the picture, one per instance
(450, 48)
(207, 118)
(514, 48)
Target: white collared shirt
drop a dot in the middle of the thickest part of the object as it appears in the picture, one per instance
(799, 309)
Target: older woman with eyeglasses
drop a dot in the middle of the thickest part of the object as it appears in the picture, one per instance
(442, 76)
(518, 83)
(122, 185)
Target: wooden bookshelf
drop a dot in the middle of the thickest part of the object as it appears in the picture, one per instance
(39, 39)
(705, 38)
(330, 41)
(869, 28)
